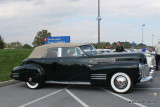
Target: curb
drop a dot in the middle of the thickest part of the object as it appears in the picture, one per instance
(8, 82)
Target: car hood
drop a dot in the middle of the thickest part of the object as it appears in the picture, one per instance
(122, 57)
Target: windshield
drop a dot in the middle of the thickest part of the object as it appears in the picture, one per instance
(89, 50)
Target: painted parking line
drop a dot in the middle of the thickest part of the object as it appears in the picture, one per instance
(41, 98)
(147, 88)
(124, 98)
(142, 88)
(76, 98)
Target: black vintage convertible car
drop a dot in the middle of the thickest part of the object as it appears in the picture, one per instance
(70, 63)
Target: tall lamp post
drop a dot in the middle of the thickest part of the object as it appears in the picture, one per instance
(142, 33)
(98, 18)
(152, 39)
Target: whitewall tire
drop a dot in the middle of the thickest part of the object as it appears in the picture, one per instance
(30, 82)
(32, 85)
(120, 82)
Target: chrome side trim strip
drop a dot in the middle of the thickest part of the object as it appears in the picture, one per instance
(98, 78)
(70, 82)
(98, 74)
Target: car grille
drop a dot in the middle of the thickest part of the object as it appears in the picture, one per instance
(144, 70)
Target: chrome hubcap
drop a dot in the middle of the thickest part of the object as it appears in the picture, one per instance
(30, 79)
(120, 82)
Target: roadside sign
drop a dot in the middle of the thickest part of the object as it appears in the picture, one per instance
(57, 39)
(133, 44)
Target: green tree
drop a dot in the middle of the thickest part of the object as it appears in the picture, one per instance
(26, 46)
(126, 45)
(108, 43)
(141, 45)
(114, 45)
(38, 40)
(15, 44)
(1, 42)
(101, 45)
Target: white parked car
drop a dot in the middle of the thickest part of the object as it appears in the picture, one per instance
(104, 51)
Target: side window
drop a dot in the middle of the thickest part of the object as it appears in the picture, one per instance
(71, 51)
(79, 52)
(51, 53)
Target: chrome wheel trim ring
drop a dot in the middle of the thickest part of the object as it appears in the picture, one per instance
(120, 82)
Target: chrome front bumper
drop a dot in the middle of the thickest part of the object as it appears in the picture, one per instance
(149, 78)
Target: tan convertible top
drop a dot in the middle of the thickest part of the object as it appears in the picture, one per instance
(40, 51)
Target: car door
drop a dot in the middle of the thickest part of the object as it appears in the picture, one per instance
(73, 65)
(51, 64)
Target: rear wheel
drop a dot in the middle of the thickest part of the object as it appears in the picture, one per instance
(121, 83)
(31, 82)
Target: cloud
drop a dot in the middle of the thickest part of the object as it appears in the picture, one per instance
(22, 19)
(130, 8)
(24, 8)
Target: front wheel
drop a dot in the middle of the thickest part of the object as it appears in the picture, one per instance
(121, 83)
(31, 82)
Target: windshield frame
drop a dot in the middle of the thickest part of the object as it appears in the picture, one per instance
(93, 50)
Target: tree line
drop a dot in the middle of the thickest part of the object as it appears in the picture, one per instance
(39, 40)
(12, 44)
(126, 45)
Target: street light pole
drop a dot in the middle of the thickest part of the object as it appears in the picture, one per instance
(98, 18)
(152, 39)
(142, 33)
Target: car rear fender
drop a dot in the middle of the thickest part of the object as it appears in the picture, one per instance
(29, 69)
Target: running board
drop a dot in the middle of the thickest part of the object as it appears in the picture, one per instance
(69, 82)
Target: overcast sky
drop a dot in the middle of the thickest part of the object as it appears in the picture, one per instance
(122, 20)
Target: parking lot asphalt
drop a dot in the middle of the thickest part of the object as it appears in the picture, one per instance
(53, 95)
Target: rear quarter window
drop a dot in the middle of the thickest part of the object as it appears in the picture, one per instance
(51, 53)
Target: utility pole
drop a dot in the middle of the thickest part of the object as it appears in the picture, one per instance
(142, 33)
(152, 39)
(98, 18)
